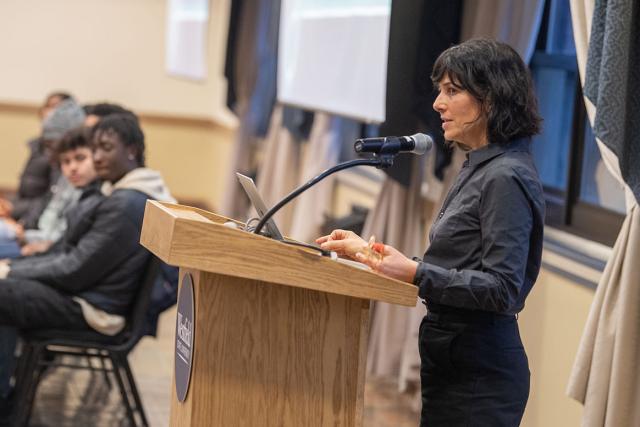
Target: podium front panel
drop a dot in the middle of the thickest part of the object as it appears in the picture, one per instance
(273, 355)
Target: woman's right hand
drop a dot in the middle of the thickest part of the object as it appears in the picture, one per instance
(343, 242)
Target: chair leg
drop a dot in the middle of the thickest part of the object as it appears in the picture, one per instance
(123, 391)
(105, 370)
(27, 384)
(133, 387)
(23, 368)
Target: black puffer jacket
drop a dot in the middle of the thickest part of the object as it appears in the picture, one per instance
(36, 180)
(100, 258)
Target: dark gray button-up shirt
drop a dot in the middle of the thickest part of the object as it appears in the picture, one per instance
(486, 241)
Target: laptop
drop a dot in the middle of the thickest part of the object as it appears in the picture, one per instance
(250, 188)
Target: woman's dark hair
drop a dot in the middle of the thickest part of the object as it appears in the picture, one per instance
(127, 128)
(72, 140)
(494, 74)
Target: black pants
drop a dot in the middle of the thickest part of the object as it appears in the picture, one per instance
(474, 370)
(26, 304)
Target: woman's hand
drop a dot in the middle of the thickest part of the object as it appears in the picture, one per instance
(393, 263)
(343, 242)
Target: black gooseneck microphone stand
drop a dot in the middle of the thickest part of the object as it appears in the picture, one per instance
(381, 161)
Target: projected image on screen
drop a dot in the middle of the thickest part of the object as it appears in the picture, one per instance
(333, 56)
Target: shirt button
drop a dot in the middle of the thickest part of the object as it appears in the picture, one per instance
(441, 214)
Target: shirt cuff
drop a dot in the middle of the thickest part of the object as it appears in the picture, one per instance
(431, 280)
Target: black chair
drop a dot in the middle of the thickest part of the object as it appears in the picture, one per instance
(40, 348)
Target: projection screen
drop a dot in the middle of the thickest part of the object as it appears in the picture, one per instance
(333, 56)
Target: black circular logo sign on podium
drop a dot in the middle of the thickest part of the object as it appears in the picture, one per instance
(184, 337)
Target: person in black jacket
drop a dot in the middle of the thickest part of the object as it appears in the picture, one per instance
(485, 243)
(90, 279)
(39, 173)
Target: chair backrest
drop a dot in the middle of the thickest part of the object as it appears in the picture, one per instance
(138, 313)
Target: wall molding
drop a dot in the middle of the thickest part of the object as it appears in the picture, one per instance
(146, 117)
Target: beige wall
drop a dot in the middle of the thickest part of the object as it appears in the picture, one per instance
(16, 126)
(114, 50)
(105, 50)
(551, 326)
(193, 158)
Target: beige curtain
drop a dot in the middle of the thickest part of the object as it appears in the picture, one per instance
(279, 168)
(234, 204)
(322, 152)
(512, 21)
(605, 375)
(287, 163)
(401, 219)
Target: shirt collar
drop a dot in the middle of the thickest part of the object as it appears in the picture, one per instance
(490, 151)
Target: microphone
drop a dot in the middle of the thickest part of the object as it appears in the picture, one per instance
(418, 144)
(383, 148)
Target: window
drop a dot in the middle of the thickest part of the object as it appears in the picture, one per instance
(582, 197)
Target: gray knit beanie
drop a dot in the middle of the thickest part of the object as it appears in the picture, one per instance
(66, 116)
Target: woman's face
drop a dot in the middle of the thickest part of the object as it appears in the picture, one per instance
(462, 119)
(112, 159)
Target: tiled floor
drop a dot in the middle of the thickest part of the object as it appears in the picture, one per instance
(79, 398)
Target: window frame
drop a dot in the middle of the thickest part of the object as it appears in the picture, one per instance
(565, 210)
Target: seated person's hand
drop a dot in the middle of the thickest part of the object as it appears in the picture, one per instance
(17, 228)
(35, 248)
(4, 270)
(6, 208)
(343, 242)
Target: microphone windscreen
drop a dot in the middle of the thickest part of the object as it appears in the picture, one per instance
(423, 143)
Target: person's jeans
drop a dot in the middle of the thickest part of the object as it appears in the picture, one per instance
(9, 249)
(31, 305)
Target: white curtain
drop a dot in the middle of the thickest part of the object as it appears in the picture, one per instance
(605, 375)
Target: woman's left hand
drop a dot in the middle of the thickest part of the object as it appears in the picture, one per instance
(393, 264)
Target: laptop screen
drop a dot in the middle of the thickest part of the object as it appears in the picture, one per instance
(256, 200)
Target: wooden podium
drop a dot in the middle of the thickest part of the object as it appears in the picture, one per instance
(280, 335)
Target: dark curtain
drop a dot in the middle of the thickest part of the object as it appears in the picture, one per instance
(251, 61)
(419, 31)
(612, 82)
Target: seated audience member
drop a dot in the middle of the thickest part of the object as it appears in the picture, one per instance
(47, 213)
(165, 289)
(96, 112)
(90, 280)
(74, 156)
(37, 175)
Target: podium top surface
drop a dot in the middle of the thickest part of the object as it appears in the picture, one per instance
(194, 238)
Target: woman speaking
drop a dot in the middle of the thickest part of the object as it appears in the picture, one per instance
(485, 242)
